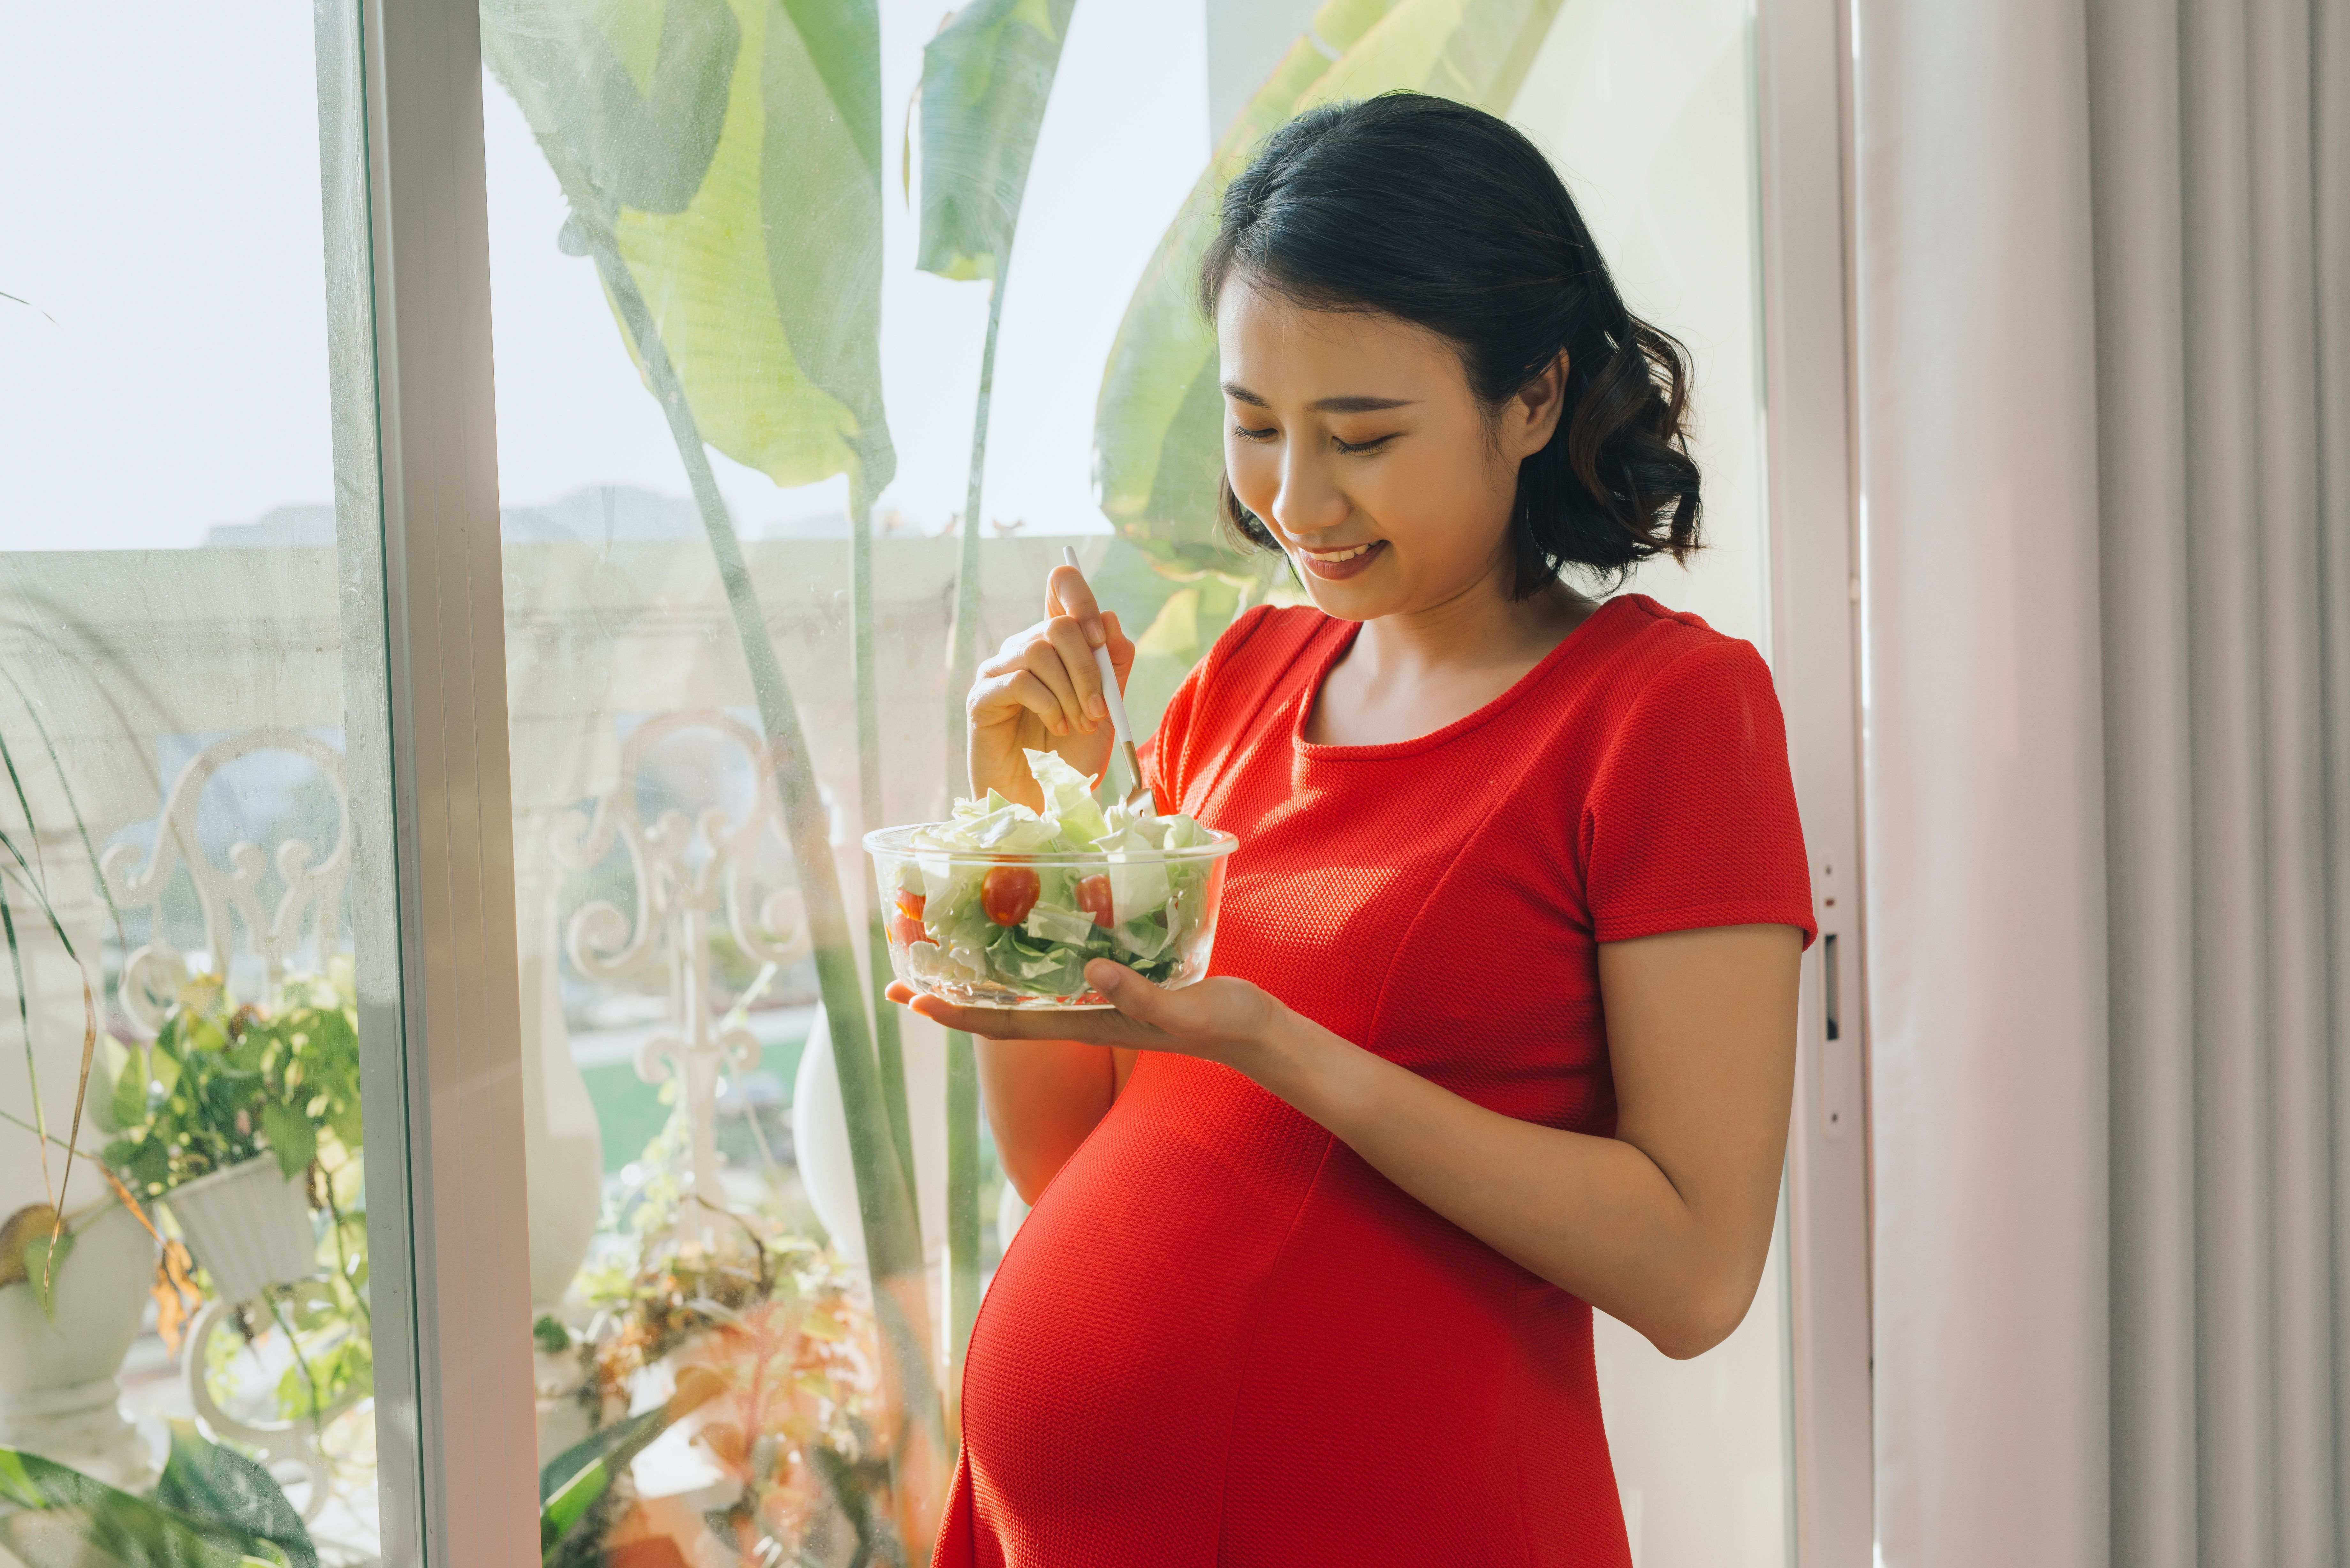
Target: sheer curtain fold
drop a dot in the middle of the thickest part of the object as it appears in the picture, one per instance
(1982, 761)
(2209, 138)
(2299, 1163)
(2330, 117)
(2136, 204)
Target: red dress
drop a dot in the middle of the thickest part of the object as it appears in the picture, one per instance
(1221, 1338)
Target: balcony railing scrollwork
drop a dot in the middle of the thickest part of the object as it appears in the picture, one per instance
(696, 876)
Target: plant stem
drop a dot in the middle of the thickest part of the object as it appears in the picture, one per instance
(81, 824)
(962, 1070)
(893, 1245)
(24, 1021)
(343, 1256)
(310, 1379)
(887, 1050)
(963, 637)
(962, 1202)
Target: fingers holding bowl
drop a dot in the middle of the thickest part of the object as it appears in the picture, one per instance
(1089, 1026)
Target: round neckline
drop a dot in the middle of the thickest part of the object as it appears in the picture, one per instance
(1434, 738)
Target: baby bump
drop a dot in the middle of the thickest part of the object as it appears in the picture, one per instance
(1221, 1329)
(1099, 1389)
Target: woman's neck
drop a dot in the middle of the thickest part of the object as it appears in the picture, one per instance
(1413, 673)
(1479, 628)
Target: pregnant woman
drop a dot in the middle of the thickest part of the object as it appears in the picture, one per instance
(1501, 1025)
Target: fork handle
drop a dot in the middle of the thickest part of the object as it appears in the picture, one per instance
(1114, 701)
(1133, 764)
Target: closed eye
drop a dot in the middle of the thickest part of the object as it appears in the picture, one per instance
(1369, 446)
(1247, 435)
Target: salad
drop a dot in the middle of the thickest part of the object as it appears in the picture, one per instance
(1108, 883)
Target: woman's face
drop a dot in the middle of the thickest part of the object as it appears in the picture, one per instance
(1356, 438)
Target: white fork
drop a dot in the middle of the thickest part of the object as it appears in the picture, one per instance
(1139, 797)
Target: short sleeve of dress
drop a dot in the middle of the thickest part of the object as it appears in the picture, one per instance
(1690, 819)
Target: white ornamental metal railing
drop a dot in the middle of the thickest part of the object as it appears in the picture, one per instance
(695, 875)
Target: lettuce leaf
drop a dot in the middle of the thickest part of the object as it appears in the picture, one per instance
(1153, 901)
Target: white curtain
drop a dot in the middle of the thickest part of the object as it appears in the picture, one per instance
(2103, 377)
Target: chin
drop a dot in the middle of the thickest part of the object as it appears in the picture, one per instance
(1343, 601)
(1365, 597)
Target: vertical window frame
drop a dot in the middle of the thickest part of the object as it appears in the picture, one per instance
(1803, 145)
(434, 904)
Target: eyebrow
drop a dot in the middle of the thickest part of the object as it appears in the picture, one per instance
(1240, 394)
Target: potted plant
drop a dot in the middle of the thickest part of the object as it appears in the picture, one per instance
(73, 1262)
(224, 1115)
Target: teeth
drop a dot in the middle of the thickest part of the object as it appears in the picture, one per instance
(1335, 556)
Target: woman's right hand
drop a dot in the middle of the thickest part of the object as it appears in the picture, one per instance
(1041, 691)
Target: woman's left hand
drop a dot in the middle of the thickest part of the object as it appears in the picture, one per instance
(1221, 1018)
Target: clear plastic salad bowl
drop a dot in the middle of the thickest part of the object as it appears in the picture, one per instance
(1004, 907)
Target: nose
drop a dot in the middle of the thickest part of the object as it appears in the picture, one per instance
(1307, 503)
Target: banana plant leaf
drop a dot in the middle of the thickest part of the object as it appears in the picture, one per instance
(212, 1509)
(986, 80)
(731, 152)
(637, 94)
(1157, 423)
(748, 295)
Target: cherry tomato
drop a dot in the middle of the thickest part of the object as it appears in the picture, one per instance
(1007, 893)
(909, 903)
(1092, 898)
(906, 930)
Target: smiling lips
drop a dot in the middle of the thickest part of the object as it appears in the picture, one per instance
(1344, 563)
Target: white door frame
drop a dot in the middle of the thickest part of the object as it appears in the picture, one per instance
(1802, 52)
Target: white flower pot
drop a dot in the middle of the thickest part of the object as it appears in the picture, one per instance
(249, 1225)
(58, 1388)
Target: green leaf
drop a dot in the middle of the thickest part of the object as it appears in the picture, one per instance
(116, 1062)
(343, 1118)
(637, 93)
(163, 1067)
(292, 1135)
(569, 1484)
(151, 1165)
(762, 270)
(986, 78)
(64, 1519)
(203, 1481)
(345, 1370)
(1158, 422)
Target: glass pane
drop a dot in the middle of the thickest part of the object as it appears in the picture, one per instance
(743, 328)
(183, 1269)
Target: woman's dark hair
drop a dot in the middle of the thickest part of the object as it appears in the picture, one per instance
(1444, 216)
